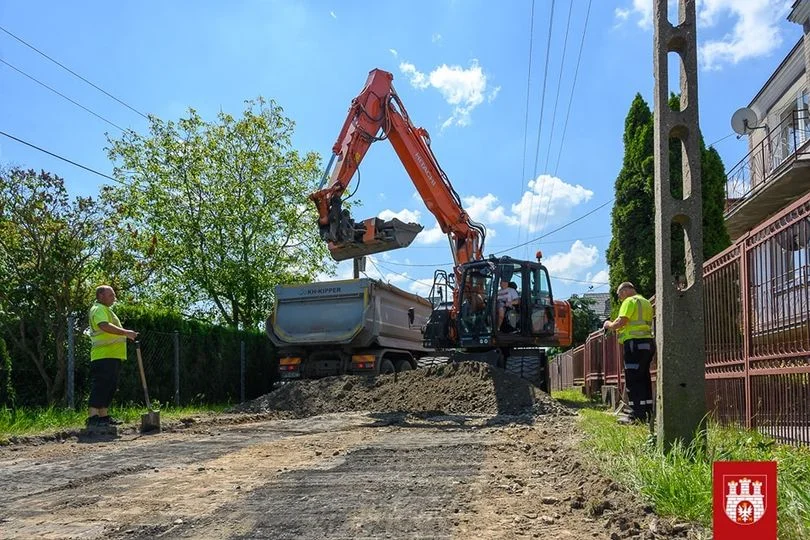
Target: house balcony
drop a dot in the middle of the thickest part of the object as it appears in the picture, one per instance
(773, 174)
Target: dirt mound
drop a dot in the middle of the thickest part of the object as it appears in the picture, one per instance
(464, 388)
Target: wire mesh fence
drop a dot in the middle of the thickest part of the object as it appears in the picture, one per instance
(181, 369)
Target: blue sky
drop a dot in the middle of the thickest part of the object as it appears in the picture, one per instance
(461, 68)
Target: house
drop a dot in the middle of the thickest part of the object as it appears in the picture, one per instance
(773, 175)
(776, 170)
(601, 304)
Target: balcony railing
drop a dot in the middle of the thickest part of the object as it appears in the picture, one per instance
(783, 144)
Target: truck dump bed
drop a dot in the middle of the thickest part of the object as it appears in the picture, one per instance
(349, 313)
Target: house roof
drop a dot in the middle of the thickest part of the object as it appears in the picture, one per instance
(601, 302)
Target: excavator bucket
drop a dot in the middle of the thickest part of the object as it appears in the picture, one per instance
(379, 235)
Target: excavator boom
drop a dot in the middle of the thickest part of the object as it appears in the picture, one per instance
(378, 114)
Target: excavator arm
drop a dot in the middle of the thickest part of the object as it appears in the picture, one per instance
(377, 114)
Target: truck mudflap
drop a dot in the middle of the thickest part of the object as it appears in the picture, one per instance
(374, 235)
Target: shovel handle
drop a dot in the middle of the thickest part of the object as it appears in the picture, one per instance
(143, 376)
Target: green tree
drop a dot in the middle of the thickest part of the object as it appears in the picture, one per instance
(586, 320)
(223, 206)
(631, 253)
(48, 251)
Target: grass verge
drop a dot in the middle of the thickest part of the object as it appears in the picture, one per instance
(679, 484)
(25, 421)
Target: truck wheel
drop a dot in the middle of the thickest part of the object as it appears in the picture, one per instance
(529, 366)
(404, 365)
(386, 367)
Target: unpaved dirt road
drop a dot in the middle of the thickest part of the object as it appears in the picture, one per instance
(344, 475)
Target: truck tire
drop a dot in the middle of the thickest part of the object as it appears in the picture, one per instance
(404, 365)
(386, 367)
(530, 365)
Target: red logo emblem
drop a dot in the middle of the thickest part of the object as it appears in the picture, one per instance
(744, 500)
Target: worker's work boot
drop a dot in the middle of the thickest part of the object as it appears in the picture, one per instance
(109, 421)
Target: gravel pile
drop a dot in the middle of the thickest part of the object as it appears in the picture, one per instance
(463, 388)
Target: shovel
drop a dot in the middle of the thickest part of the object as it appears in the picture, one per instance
(151, 420)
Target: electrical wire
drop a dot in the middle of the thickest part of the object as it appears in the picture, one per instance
(526, 115)
(559, 85)
(406, 276)
(542, 110)
(73, 73)
(573, 86)
(570, 100)
(57, 156)
(561, 227)
(62, 95)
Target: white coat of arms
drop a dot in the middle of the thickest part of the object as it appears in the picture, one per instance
(744, 499)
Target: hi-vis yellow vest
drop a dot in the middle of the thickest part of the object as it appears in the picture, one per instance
(639, 313)
(103, 344)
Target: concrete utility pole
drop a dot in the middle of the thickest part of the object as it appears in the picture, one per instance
(680, 400)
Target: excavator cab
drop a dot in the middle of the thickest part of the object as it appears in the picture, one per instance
(534, 319)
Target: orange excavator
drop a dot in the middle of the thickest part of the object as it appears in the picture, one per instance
(474, 324)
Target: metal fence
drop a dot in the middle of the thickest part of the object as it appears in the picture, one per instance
(757, 321)
(180, 369)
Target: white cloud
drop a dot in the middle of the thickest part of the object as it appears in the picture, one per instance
(755, 32)
(486, 210)
(421, 287)
(598, 279)
(393, 52)
(418, 79)
(622, 14)
(434, 235)
(464, 89)
(408, 216)
(548, 200)
(332, 13)
(572, 263)
(381, 196)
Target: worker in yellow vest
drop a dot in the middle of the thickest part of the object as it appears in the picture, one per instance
(634, 327)
(108, 350)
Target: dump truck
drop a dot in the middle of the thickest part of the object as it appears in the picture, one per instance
(356, 326)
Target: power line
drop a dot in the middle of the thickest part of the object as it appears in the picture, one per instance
(542, 110)
(57, 92)
(543, 93)
(570, 100)
(561, 227)
(74, 73)
(559, 84)
(573, 86)
(448, 263)
(406, 276)
(721, 139)
(526, 123)
(57, 156)
(505, 245)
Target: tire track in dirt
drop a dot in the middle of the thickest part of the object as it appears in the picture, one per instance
(398, 485)
(186, 478)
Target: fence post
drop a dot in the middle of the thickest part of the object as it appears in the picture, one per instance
(71, 362)
(242, 371)
(177, 368)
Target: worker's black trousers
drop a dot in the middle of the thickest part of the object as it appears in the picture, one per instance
(638, 354)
